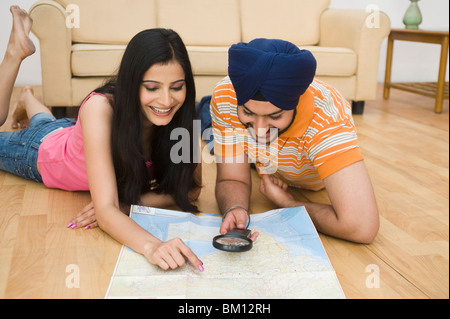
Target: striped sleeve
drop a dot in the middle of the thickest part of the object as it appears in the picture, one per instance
(334, 149)
(223, 102)
(332, 143)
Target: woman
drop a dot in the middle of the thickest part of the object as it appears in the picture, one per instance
(119, 148)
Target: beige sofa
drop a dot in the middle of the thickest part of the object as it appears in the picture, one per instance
(82, 41)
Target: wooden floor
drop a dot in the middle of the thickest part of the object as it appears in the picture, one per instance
(406, 147)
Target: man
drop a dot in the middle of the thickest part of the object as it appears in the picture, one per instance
(271, 89)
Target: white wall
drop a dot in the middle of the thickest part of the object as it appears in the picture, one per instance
(30, 71)
(412, 61)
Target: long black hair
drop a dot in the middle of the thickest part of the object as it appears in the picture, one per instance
(149, 47)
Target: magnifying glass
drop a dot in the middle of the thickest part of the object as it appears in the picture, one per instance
(236, 240)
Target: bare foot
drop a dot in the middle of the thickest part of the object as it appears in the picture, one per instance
(20, 45)
(20, 118)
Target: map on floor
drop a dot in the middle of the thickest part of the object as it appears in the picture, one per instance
(287, 260)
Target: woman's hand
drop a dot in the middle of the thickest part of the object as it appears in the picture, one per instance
(85, 218)
(171, 254)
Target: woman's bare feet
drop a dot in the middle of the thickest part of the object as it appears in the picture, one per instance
(20, 118)
(20, 45)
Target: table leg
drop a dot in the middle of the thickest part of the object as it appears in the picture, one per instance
(387, 76)
(441, 77)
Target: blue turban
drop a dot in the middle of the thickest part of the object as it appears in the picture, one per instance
(277, 69)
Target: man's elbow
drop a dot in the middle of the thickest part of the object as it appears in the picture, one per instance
(364, 231)
(367, 234)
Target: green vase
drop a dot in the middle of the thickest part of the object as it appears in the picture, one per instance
(412, 17)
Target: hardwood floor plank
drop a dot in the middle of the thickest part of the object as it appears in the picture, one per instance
(26, 274)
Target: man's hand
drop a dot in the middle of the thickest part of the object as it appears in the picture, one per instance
(276, 190)
(236, 218)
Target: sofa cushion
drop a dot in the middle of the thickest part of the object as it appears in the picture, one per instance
(202, 22)
(296, 21)
(207, 60)
(333, 61)
(104, 60)
(96, 59)
(110, 21)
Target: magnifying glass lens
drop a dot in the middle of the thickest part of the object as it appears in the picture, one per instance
(233, 241)
(237, 240)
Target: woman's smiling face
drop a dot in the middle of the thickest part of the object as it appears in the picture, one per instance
(162, 92)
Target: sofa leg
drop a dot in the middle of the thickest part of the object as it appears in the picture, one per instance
(357, 107)
(59, 111)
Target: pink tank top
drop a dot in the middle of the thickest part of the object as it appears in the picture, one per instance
(61, 157)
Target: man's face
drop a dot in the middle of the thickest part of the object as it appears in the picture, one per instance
(260, 117)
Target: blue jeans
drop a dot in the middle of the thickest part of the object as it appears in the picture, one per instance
(19, 149)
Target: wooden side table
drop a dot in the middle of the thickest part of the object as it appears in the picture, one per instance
(438, 90)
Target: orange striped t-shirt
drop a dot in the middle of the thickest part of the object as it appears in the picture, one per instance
(320, 141)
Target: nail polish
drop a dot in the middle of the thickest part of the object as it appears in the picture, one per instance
(73, 226)
(87, 227)
(200, 267)
(69, 225)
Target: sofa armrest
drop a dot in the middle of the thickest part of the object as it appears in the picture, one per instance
(49, 26)
(363, 32)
